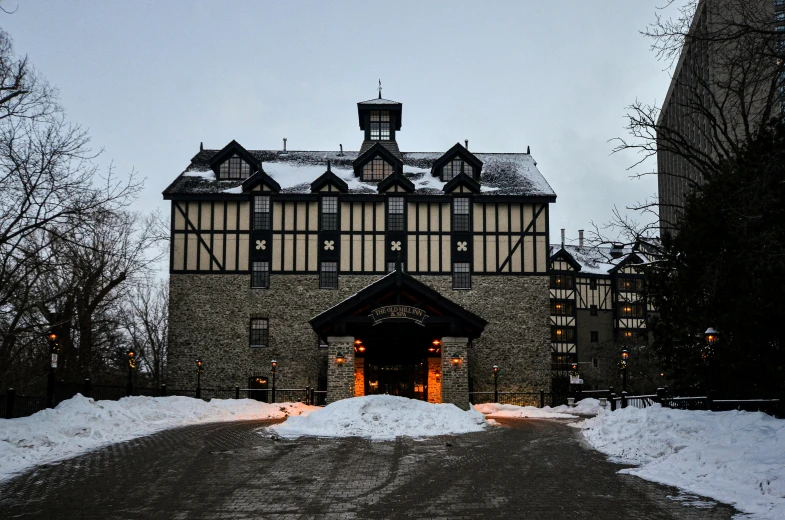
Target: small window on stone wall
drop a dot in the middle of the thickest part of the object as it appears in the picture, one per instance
(260, 332)
(328, 275)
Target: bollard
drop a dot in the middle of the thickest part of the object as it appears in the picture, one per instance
(313, 402)
(237, 391)
(306, 396)
(86, 387)
(10, 399)
(661, 394)
(624, 398)
(542, 398)
(163, 390)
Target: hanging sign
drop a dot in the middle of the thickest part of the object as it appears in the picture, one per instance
(398, 312)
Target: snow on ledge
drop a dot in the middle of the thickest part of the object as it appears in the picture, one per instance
(511, 411)
(733, 457)
(79, 425)
(380, 418)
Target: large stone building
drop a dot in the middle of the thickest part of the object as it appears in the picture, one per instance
(729, 78)
(377, 271)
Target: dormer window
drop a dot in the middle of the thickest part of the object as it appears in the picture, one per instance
(453, 168)
(376, 169)
(380, 125)
(235, 168)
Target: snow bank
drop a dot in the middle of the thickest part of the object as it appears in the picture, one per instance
(80, 424)
(584, 407)
(382, 417)
(733, 457)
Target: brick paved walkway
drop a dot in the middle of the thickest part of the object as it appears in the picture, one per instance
(532, 469)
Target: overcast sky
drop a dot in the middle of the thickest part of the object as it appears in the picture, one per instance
(151, 81)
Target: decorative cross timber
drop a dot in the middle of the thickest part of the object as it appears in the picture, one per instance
(329, 245)
(395, 245)
(261, 244)
(462, 246)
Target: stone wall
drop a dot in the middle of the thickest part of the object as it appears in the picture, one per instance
(340, 375)
(455, 372)
(209, 318)
(359, 377)
(434, 380)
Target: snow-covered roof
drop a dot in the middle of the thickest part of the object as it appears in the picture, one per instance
(597, 259)
(502, 173)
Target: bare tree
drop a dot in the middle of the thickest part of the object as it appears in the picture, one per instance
(145, 318)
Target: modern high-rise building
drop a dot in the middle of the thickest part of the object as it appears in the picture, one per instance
(727, 81)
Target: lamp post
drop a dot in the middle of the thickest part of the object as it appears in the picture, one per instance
(199, 370)
(625, 356)
(273, 367)
(54, 346)
(711, 336)
(131, 366)
(495, 383)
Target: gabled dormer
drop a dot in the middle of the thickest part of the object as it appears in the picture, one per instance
(455, 161)
(568, 262)
(396, 183)
(233, 162)
(630, 260)
(329, 182)
(260, 181)
(376, 164)
(462, 183)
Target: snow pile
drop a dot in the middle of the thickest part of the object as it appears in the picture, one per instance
(511, 411)
(80, 424)
(734, 457)
(382, 417)
(584, 407)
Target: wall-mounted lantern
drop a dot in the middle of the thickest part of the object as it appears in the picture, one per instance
(456, 360)
(340, 359)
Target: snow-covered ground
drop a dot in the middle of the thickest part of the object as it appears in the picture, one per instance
(79, 425)
(733, 457)
(584, 407)
(382, 417)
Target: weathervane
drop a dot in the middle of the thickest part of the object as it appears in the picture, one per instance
(380, 89)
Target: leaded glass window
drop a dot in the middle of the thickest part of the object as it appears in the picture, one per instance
(329, 214)
(377, 169)
(380, 125)
(461, 275)
(453, 168)
(260, 332)
(460, 214)
(395, 214)
(328, 275)
(234, 168)
(261, 212)
(260, 275)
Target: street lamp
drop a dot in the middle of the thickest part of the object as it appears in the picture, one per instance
(625, 356)
(273, 368)
(131, 366)
(199, 370)
(495, 383)
(712, 336)
(54, 347)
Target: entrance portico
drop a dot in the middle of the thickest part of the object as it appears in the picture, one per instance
(398, 336)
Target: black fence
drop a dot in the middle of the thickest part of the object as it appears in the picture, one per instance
(516, 398)
(774, 407)
(13, 405)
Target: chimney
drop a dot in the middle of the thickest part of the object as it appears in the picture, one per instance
(341, 153)
(284, 145)
(580, 238)
(466, 142)
(201, 146)
(562, 238)
(617, 250)
(528, 150)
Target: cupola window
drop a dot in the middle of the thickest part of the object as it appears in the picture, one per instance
(377, 169)
(380, 125)
(235, 168)
(453, 168)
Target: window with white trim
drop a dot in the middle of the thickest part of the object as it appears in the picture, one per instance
(234, 168)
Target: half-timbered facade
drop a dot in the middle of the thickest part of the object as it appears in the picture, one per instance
(597, 303)
(265, 242)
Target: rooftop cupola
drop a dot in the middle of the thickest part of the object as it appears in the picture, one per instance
(380, 118)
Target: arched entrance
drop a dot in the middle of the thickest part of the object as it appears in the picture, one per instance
(398, 336)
